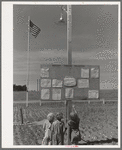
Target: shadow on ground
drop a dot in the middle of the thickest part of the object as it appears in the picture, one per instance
(113, 140)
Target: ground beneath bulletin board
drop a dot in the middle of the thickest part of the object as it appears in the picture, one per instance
(98, 122)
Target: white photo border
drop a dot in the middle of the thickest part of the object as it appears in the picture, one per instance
(7, 71)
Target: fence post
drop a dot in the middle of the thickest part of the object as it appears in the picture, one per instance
(21, 114)
(68, 110)
(40, 102)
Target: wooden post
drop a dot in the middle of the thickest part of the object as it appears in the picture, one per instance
(37, 85)
(21, 114)
(69, 61)
(69, 34)
(103, 101)
(69, 109)
(40, 91)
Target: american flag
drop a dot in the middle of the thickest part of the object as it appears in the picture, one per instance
(34, 29)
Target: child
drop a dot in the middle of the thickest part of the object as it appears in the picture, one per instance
(73, 123)
(57, 130)
(47, 128)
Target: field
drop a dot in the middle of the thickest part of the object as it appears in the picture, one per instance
(98, 122)
(34, 95)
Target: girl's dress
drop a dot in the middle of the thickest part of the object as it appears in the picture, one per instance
(57, 131)
(47, 137)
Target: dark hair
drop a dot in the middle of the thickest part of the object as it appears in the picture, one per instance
(59, 116)
(73, 116)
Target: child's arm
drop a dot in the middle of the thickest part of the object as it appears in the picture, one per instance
(64, 126)
(36, 123)
(44, 126)
(73, 106)
(33, 123)
(76, 112)
(52, 130)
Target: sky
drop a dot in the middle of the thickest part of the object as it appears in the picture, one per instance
(94, 40)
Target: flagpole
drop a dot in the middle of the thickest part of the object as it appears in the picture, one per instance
(28, 54)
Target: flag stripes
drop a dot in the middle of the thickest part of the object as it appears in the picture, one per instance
(34, 29)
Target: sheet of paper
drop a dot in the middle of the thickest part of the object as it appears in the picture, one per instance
(69, 92)
(69, 81)
(45, 94)
(44, 72)
(56, 94)
(84, 73)
(93, 94)
(56, 83)
(94, 72)
(83, 83)
(45, 82)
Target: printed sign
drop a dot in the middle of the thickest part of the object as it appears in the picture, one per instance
(84, 73)
(56, 94)
(69, 93)
(69, 81)
(83, 83)
(94, 73)
(44, 72)
(93, 94)
(56, 83)
(45, 82)
(45, 94)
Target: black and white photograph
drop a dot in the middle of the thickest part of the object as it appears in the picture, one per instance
(61, 83)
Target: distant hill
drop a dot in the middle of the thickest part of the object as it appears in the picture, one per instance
(34, 95)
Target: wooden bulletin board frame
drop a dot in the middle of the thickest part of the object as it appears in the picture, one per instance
(60, 72)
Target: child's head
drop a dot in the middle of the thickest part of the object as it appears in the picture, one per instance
(59, 116)
(73, 116)
(50, 117)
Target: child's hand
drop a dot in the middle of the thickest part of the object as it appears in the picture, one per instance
(62, 120)
(73, 106)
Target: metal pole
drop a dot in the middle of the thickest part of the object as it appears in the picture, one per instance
(28, 55)
(69, 61)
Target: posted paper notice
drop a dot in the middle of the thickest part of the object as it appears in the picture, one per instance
(56, 94)
(94, 72)
(56, 83)
(45, 94)
(45, 82)
(93, 94)
(84, 73)
(44, 72)
(83, 83)
(69, 93)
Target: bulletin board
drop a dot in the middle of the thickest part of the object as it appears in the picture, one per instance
(75, 82)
